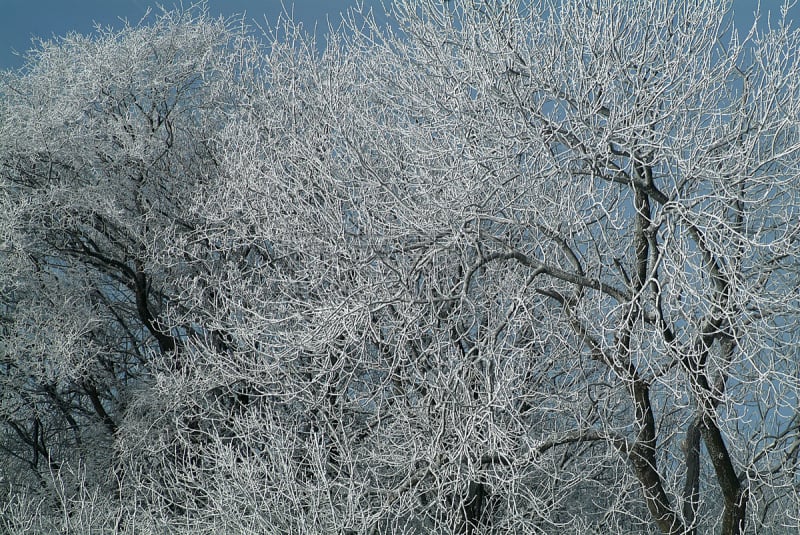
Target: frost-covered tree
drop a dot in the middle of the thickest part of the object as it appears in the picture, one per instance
(501, 268)
(102, 141)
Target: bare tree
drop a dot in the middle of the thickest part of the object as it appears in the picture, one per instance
(504, 267)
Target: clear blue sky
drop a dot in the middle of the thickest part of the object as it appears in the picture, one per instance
(22, 19)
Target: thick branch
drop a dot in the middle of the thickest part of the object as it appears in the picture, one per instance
(165, 342)
(643, 459)
(734, 494)
(691, 486)
(574, 278)
(97, 405)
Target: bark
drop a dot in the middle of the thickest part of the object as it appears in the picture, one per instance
(691, 486)
(735, 496)
(473, 507)
(97, 405)
(643, 460)
(165, 342)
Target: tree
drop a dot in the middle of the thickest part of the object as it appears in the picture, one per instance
(103, 140)
(502, 268)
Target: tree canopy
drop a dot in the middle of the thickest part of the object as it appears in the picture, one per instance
(498, 267)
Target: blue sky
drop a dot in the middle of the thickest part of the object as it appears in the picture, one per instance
(22, 19)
